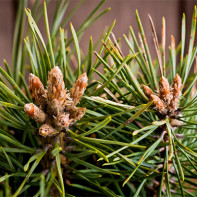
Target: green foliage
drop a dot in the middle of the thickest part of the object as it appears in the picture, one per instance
(160, 169)
(122, 146)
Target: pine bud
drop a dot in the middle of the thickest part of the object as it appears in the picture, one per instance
(47, 130)
(164, 90)
(79, 88)
(56, 93)
(37, 90)
(55, 85)
(176, 92)
(176, 86)
(147, 91)
(34, 112)
(159, 104)
(76, 114)
(62, 121)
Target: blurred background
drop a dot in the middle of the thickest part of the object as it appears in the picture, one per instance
(121, 10)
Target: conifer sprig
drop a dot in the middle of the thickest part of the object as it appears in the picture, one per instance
(164, 126)
(124, 145)
(54, 161)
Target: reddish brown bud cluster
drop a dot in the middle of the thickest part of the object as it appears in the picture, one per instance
(168, 100)
(57, 106)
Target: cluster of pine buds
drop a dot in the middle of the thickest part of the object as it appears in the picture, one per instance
(57, 107)
(166, 103)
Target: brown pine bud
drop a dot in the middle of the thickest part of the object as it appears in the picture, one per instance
(147, 91)
(54, 107)
(47, 130)
(176, 92)
(176, 85)
(159, 104)
(173, 105)
(56, 94)
(164, 90)
(62, 121)
(76, 114)
(55, 85)
(79, 88)
(34, 112)
(37, 90)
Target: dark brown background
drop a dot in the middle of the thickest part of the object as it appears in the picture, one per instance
(121, 10)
